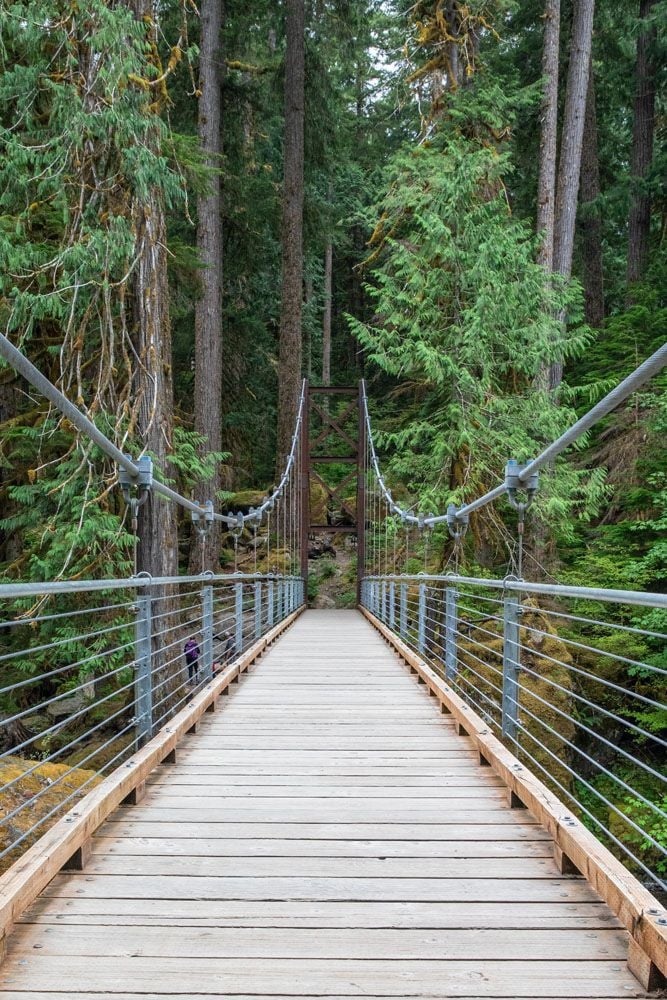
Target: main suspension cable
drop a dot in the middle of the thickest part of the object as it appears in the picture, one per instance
(524, 474)
(137, 472)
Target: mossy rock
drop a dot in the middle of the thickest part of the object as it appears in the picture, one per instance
(242, 501)
(94, 753)
(35, 795)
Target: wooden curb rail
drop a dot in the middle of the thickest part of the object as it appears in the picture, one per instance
(575, 847)
(31, 873)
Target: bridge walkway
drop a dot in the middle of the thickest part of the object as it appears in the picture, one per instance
(327, 833)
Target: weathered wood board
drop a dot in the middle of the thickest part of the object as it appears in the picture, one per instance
(326, 834)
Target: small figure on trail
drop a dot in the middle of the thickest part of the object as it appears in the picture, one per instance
(192, 654)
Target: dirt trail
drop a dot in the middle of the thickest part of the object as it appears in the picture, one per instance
(333, 581)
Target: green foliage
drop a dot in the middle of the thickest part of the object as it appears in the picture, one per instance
(465, 316)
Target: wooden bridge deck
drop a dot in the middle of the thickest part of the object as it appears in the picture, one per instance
(326, 834)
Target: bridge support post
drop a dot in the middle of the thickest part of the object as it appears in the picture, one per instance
(403, 611)
(421, 624)
(143, 686)
(451, 628)
(383, 602)
(392, 605)
(238, 618)
(511, 664)
(207, 632)
(258, 609)
(270, 603)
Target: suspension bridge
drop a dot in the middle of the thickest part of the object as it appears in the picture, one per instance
(448, 791)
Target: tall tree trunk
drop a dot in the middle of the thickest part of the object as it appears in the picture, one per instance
(205, 552)
(290, 353)
(642, 149)
(570, 147)
(157, 549)
(326, 321)
(546, 187)
(590, 223)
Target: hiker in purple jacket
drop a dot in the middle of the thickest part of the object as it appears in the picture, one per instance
(192, 654)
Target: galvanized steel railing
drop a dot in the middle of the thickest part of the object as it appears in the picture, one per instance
(91, 670)
(574, 683)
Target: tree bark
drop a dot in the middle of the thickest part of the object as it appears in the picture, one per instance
(290, 351)
(205, 552)
(546, 187)
(639, 221)
(157, 548)
(570, 148)
(590, 223)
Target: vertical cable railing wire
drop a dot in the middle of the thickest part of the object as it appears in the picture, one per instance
(91, 670)
(556, 684)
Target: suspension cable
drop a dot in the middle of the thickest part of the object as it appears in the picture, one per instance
(78, 419)
(652, 366)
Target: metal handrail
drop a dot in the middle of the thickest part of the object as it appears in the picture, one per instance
(112, 687)
(555, 708)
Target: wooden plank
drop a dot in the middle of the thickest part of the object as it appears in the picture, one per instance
(370, 856)
(461, 792)
(422, 851)
(289, 913)
(504, 826)
(196, 866)
(330, 783)
(325, 811)
(333, 889)
(23, 882)
(332, 943)
(636, 907)
(29, 995)
(324, 977)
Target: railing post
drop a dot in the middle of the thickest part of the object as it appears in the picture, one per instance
(281, 593)
(270, 603)
(421, 625)
(383, 604)
(403, 612)
(392, 605)
(258, 609)
(207, 632)
(143, 685)
(511, 664)
(451, 628)
(238, 617)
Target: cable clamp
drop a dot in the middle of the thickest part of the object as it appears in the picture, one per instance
(203, 518)
(136, 486)
(515, 485)
(457, 524)
(236, 527)
(142, 481)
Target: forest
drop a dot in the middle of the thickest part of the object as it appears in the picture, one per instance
(463, 203)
